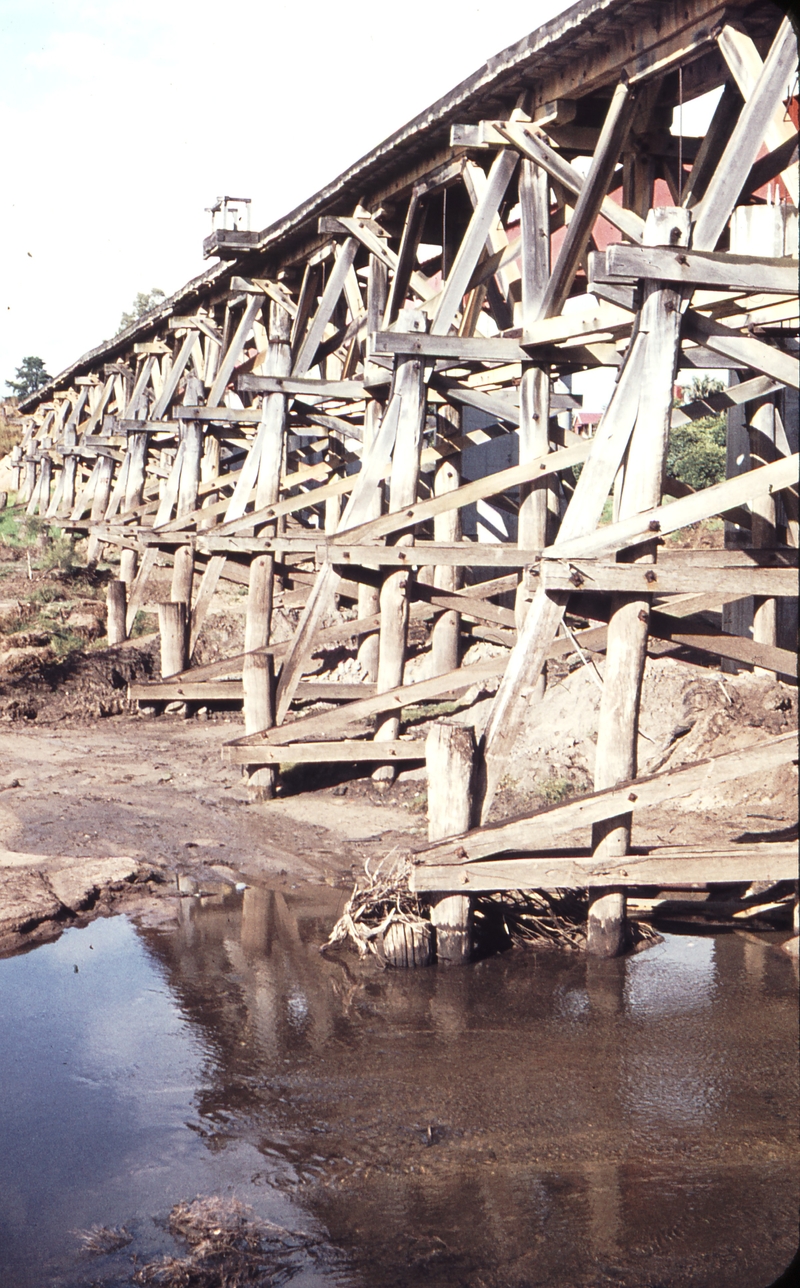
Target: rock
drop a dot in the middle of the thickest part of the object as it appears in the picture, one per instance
(26, 899)
(79, 885)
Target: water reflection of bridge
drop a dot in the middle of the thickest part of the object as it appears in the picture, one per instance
(583, 1114)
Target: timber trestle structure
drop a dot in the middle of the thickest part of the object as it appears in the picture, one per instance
(304, 419)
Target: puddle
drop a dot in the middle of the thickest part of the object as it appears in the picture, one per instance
(534, 1119)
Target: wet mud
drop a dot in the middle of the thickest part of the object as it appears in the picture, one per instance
(537, 1118)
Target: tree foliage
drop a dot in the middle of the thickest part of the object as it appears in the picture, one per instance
(30, 376)
(144, 302)
(697, 451)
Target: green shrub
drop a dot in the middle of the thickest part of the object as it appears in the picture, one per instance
(697, 452)
(46, 595)
(18, 530)
(555, 790)
(64, 641)
(144, 624)
(58, 554)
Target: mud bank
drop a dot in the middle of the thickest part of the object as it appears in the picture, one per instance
(99, 811)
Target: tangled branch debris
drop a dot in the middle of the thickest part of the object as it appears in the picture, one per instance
(373, 906)
(227, 1246)
(540, 918)
(100, 1240)
(531, 918)
(535, 918)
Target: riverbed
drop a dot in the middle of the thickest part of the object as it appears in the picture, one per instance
(537, 1118)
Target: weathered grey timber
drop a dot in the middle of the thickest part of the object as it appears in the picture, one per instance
(402, 345)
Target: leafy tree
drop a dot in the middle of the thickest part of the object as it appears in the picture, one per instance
(144, 302)
(697, 451)
(702, 386)
(31, 375)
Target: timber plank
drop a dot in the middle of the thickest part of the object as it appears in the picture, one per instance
(464, 554)
(530, 143)
(353, 751)
(300, 385)
(586, 576)
(741, 350)
(460, 348)
(466, 494)
(232, 690)
(738, 648)
(662, 866)
(406, 695)
(698, 268)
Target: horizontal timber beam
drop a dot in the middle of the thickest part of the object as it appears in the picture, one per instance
(696, 268)
(661, 866)
(633, 578)
(300, 385)
(231, 691)
(354, 751)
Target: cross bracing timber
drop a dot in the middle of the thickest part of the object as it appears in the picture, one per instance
(304, 416)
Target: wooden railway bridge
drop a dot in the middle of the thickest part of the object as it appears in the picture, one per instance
(298, 420)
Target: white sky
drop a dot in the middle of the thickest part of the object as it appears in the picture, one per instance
(121, 122)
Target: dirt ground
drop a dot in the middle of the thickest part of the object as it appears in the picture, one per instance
(102, 804)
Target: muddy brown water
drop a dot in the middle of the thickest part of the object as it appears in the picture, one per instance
(535, 1119)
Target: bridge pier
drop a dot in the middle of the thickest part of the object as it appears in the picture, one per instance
(449, 756)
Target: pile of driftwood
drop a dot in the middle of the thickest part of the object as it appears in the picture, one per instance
(385, 918)
(227, 1245)
(534, 918)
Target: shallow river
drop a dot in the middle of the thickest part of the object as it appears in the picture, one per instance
(535, 1119)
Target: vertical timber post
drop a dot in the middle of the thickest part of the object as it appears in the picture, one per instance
(534, 392)
(173, 628)
(755, 230)
(257, 674)
(100, 498)
(369, 596)
(183, 567)
(209, 469)
(447, 577)
(45, 481)
(409, 387)
(68, 472)
(117, 600)
(134, 490)
(626, 650)
(28, 478)
(450, 758)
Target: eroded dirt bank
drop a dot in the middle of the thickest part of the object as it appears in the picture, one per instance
(128, 808)
(99, 812)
